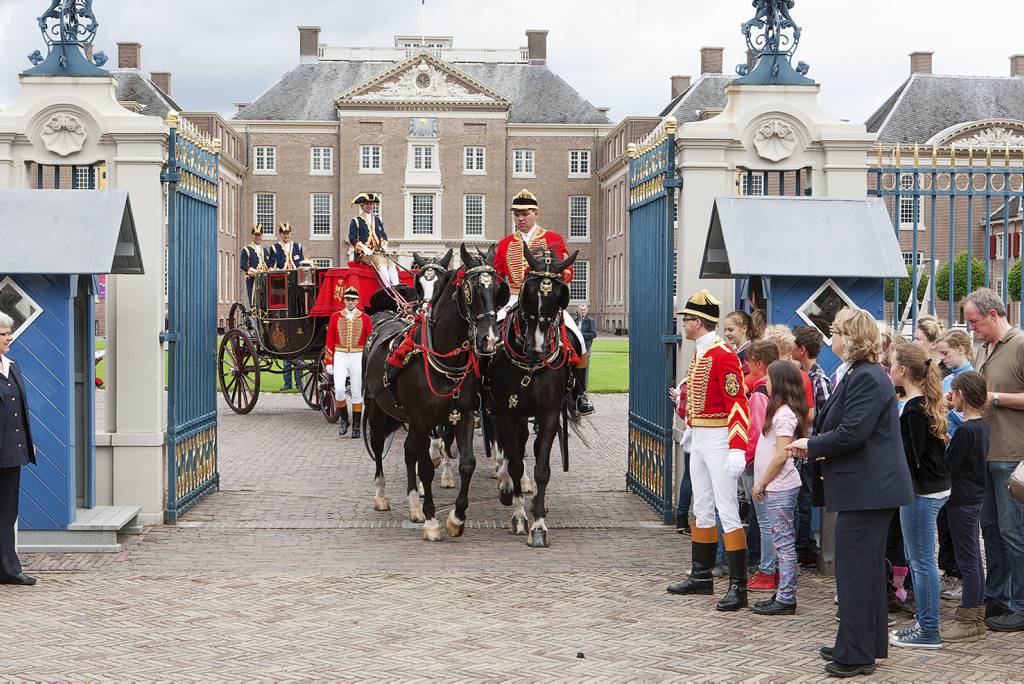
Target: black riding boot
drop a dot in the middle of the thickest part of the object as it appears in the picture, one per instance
(700, 580)
(736, 597)
(579, 392)
(342, 420)
(357, 418)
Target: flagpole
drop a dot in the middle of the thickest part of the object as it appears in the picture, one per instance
(423, 30)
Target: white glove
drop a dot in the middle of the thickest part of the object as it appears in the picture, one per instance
(366, 250)
(329, 368)
(736, 462)
(687, 441)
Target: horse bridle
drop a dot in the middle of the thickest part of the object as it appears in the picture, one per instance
(481, 272)
(544, 276)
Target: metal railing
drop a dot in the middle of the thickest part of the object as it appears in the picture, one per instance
(328, 53)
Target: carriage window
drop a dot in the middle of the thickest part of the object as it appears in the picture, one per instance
(277, 291)
(578, 288)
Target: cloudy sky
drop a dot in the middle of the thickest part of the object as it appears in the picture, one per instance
(618, 53)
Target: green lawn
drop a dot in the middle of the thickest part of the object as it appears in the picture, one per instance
(609, 366)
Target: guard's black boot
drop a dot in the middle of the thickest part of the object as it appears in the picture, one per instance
(736, 597)
(700, 580)
(357, 417)
(579, 392)
(342, 420)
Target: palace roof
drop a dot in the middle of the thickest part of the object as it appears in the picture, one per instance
(133, 86)
(706, 93)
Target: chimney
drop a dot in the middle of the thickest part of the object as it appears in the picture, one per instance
(162, 80)
(129, 55)
(751, 60)
(537, 46)
(711, 60)
(921, 62)
(680, 84)
(309, 44)
(88, 52)
(1017, 65)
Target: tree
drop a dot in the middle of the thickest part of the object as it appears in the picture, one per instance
(960, 288)
(922, 286)
(1013, 282)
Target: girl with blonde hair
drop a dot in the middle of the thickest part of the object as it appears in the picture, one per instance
(957, 353)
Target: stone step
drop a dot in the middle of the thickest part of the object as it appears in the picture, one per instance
(94, 530)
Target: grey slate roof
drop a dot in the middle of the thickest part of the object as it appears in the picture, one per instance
(308, 92)
(1016, 206)
(133, 86)
(707, 92)
(926, 104)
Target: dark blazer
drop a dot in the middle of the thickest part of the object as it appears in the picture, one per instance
(280, 258)
(16, 447)
(250, 259)
(858, 440)
(358, 231)
(589, 329)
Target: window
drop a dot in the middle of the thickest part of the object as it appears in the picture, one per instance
(422, 214)
(321, 161)
(320, 218)
(908, 204)
(579, 163)
(908, 258)
(821, 308)
(369, 159)
(998, 287)
(84, 178)
(579, 218)
(609, 294)
(423, 157)
(999, 243)
(751, 183)
(16, 303)
(579, 287)
(277, 295)
(266, 206)
(474, 162)
(266, 160)
(473, 215)
(322, 262)
(522, 163)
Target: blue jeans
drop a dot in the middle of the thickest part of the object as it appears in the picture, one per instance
(918, 522)
(1002, 527)
(755, 535)
(779, 513)
(685, 494)
(291, 373)
(768, 561)
(805, 542)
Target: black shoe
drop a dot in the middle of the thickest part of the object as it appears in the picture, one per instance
(840, 670)
(583, 405)
(699, 585)
(825, 652)
(994, 608)
(736, 597)
(774, 607)
(20, 579)
(356, 423)
(1007, 622)
(808, 559)
(343, 422)
(685, 529)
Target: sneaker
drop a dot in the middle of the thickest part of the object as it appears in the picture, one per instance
(808, 559)
(904, 631)
(951, 588)
(719, 571)
(683, 530)
(762, 582)
(1007, 622)
(890, 622)
(917, 638)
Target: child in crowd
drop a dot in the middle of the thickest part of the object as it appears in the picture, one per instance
(928, 332)
(966, 458)
(957, 354)
(786, 342)
(777, 483)
(760, 355)
(923, 427)
(739, 332)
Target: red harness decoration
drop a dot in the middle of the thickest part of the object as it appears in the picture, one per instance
(470, 363)
(408, 343)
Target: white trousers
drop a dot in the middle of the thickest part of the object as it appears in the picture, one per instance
(385, 267)
(348, 365)
(713, 486)
(570, 322)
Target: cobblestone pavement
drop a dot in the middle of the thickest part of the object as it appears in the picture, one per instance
(287, 573)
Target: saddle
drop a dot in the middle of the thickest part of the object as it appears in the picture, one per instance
(388, 330)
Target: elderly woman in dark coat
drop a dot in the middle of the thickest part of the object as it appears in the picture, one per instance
(859, 468)
(16, 450)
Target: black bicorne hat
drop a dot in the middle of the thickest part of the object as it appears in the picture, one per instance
(702, 305)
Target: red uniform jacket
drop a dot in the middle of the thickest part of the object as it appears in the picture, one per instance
(344, 335)
(510, 263)
(715, 394)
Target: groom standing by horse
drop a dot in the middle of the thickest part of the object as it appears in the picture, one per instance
(510, 262)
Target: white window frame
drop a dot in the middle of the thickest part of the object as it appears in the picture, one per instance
(323, 262)
(906, 182)
(524, 163)
(8, 280)
(579, 238)
(751, 184)
(921, 258)
(264, 160)
(330, 216)
(585, 263)
(371, 151)
(87, 172)
(999, 285)
(434, 228)
(326, 161)
(474, 160)
(483, 215)
(842, 293)
(581, 158)
(1000, 245)
(267, 230)
(423, 158)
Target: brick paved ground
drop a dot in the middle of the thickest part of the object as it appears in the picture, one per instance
(288, 573)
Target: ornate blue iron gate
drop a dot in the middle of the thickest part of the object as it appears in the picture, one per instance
(191, 180)
(652, 183)
(945, 202)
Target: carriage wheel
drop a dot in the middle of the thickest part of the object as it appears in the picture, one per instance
(326, 387)
(310, 380)
(239, 371)
(235, 315)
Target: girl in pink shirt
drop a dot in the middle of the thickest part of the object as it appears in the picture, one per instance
(776, 480)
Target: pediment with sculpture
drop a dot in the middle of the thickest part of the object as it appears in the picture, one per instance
(995, 134)
(423, 80)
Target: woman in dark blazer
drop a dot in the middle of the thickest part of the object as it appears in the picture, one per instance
(859, 468)
(16, 450)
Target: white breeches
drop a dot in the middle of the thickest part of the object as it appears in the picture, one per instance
(570, 323)
(385, 267)
(348, 365)
(713, 486)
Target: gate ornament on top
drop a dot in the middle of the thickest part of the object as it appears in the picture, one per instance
(775, 140)
(773, 36)
(69, 29)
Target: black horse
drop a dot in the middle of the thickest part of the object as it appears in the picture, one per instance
(438, 386)
(530, 377)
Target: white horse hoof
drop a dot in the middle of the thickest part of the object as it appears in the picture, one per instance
(453, 525)
(517, 526)
(526, 485)
(417, 516)
(381, 503)
(538, 539)
(432, 530)
(447, 481)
